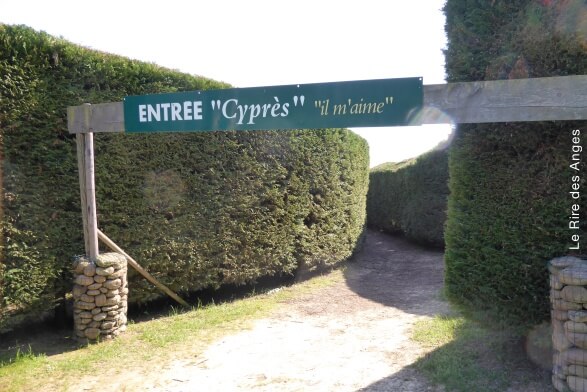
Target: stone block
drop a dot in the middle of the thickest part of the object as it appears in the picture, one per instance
(99, 317)
(101, 300)
(571, 326)
(576, 370)
(92, 333)
(113, 301)
(560, 263)
(555, 282)
(94, 324)
(115, 260)
(112, 284)
(578, 316)
(78, 267)
(94, 286)
(561, 304)
(577, 384)
(578, 339)
(121, 272)
(85, 314)
(555, 294)
(90, 270)
(575, 275)
(78, 290)
(574, 356)
(83, 280)
(84, 305)
(105, 271)
(560, 341)
(86, 298)
(99, 279)
(574, 294)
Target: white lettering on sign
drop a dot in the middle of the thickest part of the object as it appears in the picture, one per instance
(229, 109)
(248, 113)
(172, 111)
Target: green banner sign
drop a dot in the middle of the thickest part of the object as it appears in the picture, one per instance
(365, 103)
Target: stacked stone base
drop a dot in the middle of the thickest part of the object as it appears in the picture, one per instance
(568, 298)
(100, 297)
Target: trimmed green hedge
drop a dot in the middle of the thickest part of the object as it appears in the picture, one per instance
(509, 183)
(410, 197)
(195, 209)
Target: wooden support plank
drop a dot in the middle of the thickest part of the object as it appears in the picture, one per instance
(103, 117)
(538, 99)
(132, 262)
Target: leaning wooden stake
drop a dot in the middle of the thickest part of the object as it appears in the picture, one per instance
(140, 269)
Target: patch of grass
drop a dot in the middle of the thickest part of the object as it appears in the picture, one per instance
(182, 332)
(25, 363)
(468, 356)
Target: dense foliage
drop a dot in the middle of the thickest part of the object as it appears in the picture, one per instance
(509, 205)
(410, 197)
(196, 210)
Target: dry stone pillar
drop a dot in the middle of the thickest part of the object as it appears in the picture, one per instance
(568, 298)
(100, 297)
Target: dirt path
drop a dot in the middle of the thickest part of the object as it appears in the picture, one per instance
(348, 337)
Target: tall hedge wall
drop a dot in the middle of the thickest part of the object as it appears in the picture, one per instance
(509, 202)
(410, 197)
(196, 210)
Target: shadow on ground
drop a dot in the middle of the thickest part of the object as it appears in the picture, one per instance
(406, 380)
(394, 272)
(493, 362)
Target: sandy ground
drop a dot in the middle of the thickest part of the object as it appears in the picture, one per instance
(353, 336)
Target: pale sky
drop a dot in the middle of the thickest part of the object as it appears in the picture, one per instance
(263, 43)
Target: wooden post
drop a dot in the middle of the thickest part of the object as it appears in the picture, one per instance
(85, 155)
(81, 168)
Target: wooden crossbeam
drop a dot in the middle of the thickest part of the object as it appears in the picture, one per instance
(540, 99)
(558, 98)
